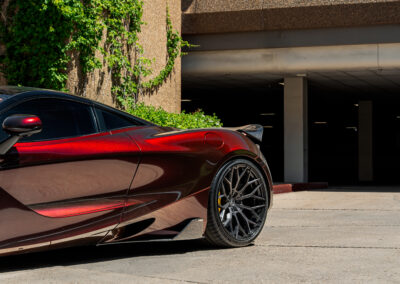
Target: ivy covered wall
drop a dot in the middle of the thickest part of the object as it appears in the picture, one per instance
(168, 95)
(148, 69)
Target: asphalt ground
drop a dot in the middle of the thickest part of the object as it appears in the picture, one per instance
(340, 235)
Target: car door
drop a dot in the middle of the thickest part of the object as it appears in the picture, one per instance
(67, 182)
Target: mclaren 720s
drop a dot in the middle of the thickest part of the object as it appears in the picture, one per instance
(74, 172)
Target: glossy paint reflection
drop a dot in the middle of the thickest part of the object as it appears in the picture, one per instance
(64, 188)
(93, 188)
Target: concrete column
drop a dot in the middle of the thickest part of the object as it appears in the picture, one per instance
(295, 130)
(365, 147)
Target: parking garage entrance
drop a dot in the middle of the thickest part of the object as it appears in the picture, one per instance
(336, 138)
(238, 106)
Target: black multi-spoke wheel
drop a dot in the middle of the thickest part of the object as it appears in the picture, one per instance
(237, 205)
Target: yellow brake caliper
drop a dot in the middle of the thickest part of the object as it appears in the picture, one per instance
(219, 201)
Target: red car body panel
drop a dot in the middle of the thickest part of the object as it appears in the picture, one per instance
(124, 185)
(67, 177)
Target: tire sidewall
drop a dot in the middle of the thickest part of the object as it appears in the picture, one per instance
(213, 212)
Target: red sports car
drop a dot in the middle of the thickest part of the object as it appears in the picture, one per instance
(73, 171)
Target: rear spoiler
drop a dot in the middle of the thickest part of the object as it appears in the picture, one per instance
(253, 131)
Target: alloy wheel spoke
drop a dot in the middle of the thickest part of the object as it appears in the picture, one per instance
(239, 178)
(246, 221)
(259, 197)
(223, 207)
(236, 232)
(246, 218)
(239, 227)
(258, 206)
(252, 210)
(247, 185)
(230, 219)
(241, 202)
(223, 190)
(231, 178)
(251, 194)
(222, 214)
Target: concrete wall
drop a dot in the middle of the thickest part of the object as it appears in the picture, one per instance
(97, 86)
(154, 41)
(221, 16)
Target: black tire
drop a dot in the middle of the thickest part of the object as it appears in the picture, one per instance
(238, 204)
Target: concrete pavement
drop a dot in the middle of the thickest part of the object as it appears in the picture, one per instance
(336, 235)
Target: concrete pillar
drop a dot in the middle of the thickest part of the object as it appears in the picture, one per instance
(365, 147)
(295, 130)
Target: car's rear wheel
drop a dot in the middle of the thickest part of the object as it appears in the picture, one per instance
(238, 204)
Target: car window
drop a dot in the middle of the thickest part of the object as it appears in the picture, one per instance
(113, 120)
(60, 118)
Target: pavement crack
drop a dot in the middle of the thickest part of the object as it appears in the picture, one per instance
(173, 279)
(328, 226)
(127, 274)
(330, 247)
(336, 209)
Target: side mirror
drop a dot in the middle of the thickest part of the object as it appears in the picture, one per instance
(22, 125)
(18, 126)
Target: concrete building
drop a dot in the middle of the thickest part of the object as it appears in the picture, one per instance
(322, 76)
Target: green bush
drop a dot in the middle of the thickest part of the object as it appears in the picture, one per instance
(179, 120)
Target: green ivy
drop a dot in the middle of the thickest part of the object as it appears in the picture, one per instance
(182, 120)
(41, 35)
(35, 42)
(174, 45)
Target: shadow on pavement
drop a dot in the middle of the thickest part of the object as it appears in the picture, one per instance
(92, 254)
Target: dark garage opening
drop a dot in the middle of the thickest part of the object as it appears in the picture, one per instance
(387, 140)
(333, 136)
(332, 128)
(240, 106)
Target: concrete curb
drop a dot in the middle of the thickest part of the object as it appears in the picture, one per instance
(292, 187)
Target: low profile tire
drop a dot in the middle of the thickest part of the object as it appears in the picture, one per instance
(237, 206)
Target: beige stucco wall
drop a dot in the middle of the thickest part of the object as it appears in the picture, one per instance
(97, 86)
(153, 39)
